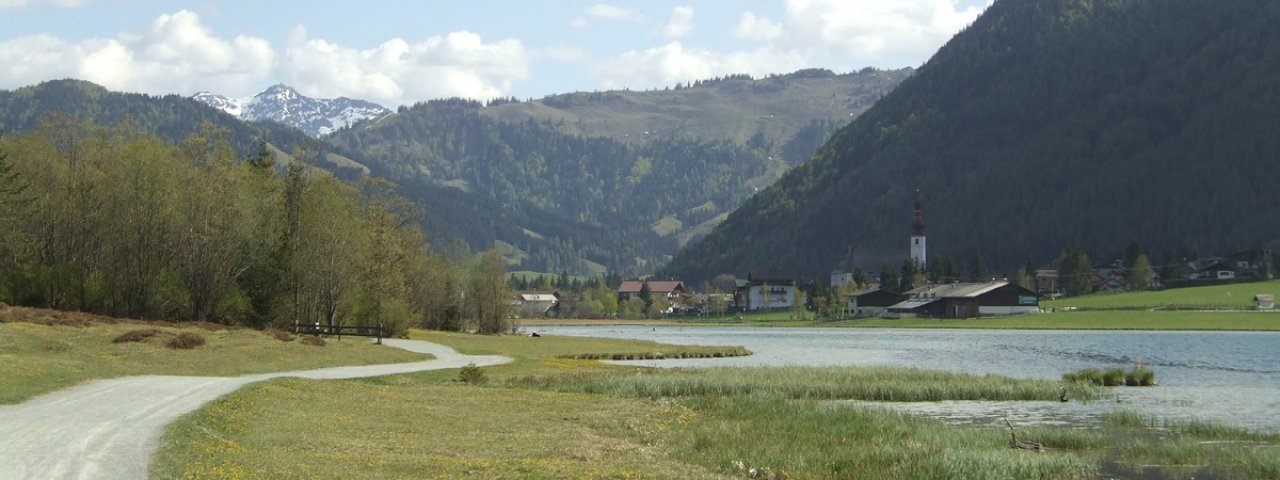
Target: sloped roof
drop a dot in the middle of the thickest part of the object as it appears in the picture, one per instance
(537, 297)
(955, 290)
(912, 303)
(655, 286)
(770, 275)
(631, 286)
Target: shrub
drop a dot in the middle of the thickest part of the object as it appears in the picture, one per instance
(1113, 377)
(313, 341)
(471, 374)
(186, 341)
(280, 335)
(136, 335)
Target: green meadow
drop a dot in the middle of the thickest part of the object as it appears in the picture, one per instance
(1229, 296)
(45, 350)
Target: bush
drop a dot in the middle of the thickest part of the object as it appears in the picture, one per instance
(472, 374)
(186, 341)
(1140, 377)
(1088, 375)
(313, 341)
(136, 335)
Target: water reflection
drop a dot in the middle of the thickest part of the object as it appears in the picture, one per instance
(1228, 377)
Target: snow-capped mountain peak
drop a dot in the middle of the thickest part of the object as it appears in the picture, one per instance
(281, 103)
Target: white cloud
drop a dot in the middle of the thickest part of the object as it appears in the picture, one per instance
(842, 35)
(675, 63)
(613, 12)
(680, 24)
(873, 32)
(176, 54)
(751, 27)
(397, 72)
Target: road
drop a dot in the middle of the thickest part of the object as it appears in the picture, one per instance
(108, 429)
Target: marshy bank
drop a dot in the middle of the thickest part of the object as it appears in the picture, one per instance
(544, 416)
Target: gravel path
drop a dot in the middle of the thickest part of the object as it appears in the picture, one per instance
(108, 429)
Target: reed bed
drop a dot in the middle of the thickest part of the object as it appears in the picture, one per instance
(781, 438)
(817, 383)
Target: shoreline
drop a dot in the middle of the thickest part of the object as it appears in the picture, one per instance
(1216, 324)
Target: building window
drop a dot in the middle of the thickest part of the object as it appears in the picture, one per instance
(917, 241)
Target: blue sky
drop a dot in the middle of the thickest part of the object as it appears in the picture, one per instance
(401, 52)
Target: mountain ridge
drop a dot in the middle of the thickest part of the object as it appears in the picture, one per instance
(1042, 126)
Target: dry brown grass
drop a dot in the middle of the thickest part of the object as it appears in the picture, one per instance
(140, 335)
(185, 341)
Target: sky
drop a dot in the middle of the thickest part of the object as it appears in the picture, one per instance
(399, 52)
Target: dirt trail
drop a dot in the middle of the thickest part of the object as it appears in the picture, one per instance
(108, 429)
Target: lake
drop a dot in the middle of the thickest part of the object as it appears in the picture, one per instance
(1227, 377)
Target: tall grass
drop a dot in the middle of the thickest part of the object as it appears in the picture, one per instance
(819, 440)
(818, 383)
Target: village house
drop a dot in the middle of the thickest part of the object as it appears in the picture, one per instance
(1047, 280)
(671, 290)
(966, 300)
(767, 289)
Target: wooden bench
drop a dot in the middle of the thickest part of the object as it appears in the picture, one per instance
(340, 330)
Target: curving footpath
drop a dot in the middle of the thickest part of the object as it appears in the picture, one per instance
(108, 429)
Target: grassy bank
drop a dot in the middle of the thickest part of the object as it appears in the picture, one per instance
(549, 417)
(62, 349)
(1093, 320)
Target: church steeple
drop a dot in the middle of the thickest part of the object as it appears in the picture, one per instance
(917, 233)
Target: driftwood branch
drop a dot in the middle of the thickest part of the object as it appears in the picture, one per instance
(1033, 446)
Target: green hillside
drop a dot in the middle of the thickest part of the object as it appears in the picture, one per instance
(1045, 124)
(789, 116)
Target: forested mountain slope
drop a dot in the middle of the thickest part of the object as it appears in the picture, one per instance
(564, 202)
(1045, 124)
(618, 180)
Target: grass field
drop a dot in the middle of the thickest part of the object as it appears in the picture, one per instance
(1093, 320)
(547, 417)
(64, 349)
(1234, 296)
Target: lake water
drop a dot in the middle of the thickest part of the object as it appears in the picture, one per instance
(1227, 377)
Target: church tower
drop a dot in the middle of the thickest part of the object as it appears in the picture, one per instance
(917, 234)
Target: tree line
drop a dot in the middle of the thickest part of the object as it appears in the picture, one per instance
(116, 221)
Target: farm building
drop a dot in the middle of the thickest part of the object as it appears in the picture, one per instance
(1264, 301)
(966, 300)
(870, 303)
(529, 305)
